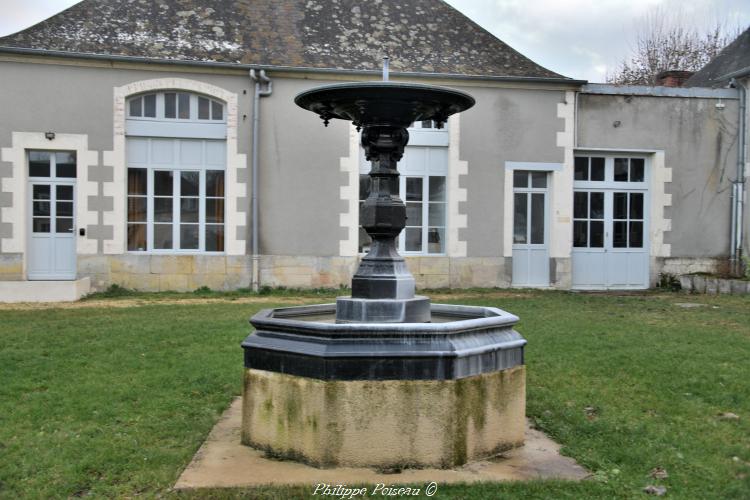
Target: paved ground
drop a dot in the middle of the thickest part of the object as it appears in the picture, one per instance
(223, 462)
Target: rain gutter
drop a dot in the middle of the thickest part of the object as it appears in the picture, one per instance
(738, 186)
(287, 69)
(260, 80)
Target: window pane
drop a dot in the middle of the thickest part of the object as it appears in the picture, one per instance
(189, 183)
(364, 186)
(217, 111)
(580, 233)
(214, 238)
(519, 218)
(137, 181)
(413, 237)
(597, 169)
(189, 236)
(636, 205)
(437, 188)
(539, 179)
(170, 105)
(215, 183)
(436, 240)
(163, 184)
(136, 237)
(596, 210)
(537, 219)
(39, 164)
(436, 214)
(636, 170)
(426, 123)
(636, 234)
(215, 210)
(163, 236)
(520, 178)
(621, 206)
(163, 209)
(203, 108)
(184, 105)
(413, 189)
(580, 205)
(135, 107)
(41, 225)
(597, 234)
(149, 106)
(136, 209)
(41, 191)
(620, 234)
(189, 210)
(413, 214)
(66, 164)
(621, 169)
(64, 209)
(41, 209)
(581, 170)
(63, 225)
(65, 193)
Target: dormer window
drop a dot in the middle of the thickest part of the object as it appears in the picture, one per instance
(175, 106)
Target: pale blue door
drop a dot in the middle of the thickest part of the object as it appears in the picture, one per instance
(52, 243)
(530, 229)
(610, 223)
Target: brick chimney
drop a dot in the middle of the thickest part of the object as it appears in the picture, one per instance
(672, 78)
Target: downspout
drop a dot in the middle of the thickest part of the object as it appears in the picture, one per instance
(738, 186)
(260, 80)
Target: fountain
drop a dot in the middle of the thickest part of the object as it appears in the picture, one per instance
(384, 378)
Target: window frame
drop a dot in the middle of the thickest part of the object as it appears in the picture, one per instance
(161, 108)
(176, 221)
(529, 190)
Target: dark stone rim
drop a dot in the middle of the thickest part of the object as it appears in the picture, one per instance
(396, 351)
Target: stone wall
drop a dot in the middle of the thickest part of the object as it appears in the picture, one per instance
(429, 272)
(155, 273)
(11, 267)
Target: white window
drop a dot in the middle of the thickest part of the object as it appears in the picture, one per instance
(175, 106)
(422, 186)
(175, 196)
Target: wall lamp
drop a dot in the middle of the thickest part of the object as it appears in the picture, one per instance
(49, 135)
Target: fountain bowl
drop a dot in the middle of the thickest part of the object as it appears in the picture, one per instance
(384, 103)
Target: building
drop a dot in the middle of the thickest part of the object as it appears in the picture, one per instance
(127, 154)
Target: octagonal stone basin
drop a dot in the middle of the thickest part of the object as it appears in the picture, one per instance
(384, 395)
(460, 341)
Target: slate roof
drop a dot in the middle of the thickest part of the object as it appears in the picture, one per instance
(423, 36)
(734, 57)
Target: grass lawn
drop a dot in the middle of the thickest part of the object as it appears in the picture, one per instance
(112, 397)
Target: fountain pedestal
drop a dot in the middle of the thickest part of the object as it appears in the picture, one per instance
(384, 378)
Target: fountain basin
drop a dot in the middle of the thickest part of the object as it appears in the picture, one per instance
(395, 395)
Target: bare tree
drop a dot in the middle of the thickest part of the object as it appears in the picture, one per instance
(664, 40)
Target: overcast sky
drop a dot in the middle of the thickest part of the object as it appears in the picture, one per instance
(577, 38)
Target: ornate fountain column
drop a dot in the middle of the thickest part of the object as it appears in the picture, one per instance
(383, 287)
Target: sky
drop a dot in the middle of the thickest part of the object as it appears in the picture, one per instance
(584, 39)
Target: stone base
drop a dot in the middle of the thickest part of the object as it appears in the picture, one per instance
(385, 424)
(44, 291)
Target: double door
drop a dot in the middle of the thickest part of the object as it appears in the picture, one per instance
(610, 239)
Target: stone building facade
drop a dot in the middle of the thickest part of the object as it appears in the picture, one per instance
(126, 154)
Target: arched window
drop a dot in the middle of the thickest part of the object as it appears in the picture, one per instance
(175, 105)
(176, 163)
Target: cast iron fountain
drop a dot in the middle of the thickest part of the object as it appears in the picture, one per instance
(384, 378)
